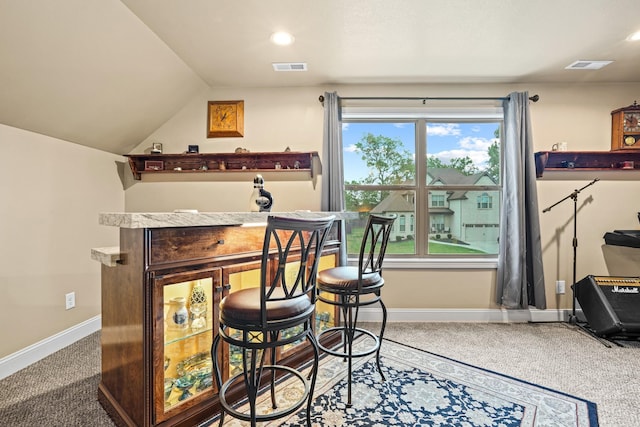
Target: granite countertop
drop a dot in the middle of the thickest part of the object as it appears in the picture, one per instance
(195, 219)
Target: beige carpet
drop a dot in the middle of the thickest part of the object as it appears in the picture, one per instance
(61, 389)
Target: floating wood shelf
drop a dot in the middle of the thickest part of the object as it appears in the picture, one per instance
(286, 161)
(570, 162)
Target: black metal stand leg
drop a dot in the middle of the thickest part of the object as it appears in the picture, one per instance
(384, 324)
(605, 342)
(314, 372)
(349, 332)
(216, 372)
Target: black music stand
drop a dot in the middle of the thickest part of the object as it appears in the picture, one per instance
(573, 319)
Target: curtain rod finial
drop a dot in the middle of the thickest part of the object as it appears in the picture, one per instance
(535, 98)
(321, 98)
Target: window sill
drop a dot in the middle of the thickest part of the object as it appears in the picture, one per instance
(433, 264)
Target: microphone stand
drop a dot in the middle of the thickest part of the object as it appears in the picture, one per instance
(574, 196)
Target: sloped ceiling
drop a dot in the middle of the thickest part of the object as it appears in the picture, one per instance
(87, 71)
(107, 73)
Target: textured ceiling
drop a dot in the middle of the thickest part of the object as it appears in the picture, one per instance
(107, 73)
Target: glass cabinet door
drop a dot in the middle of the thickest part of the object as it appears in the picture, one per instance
(235, 278)
(186, 321)
(325, 313)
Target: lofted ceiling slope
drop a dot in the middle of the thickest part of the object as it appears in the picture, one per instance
(107, 73)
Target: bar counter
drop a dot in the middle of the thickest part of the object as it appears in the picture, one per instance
(161, 257)
(195, 219)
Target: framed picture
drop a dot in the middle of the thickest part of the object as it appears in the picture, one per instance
(156, 148)
(153, 165)
(225, 119)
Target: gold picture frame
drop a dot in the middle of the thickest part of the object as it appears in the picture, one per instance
(225, 119)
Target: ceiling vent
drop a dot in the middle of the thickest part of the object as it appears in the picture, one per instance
(290, 66)
(587, 65)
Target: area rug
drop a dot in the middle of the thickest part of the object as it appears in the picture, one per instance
(424, 389)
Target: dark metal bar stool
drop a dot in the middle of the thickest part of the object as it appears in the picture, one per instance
(259, 315)
(350, 288)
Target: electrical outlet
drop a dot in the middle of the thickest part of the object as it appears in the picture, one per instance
(560, 287)
(70, 300)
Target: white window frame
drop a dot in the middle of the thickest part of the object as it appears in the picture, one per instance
(422, 116)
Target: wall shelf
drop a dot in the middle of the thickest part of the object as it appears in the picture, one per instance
(282, 162)
(612, 165)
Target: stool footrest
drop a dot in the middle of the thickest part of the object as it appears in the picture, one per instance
(272, 415)
(342, 353)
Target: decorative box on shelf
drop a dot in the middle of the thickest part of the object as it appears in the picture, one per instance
(291, 161)
(594, 161)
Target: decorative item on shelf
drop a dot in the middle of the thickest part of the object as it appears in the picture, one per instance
(260, 200)
(197, 370)
(193, 149)
(627, 164)
(222, 166)
(153, 165)
(625, 128)
(184, 384)
(178, 315)
(286, 150)
(241, 150)
(277, 165)
(225, 119)
(560, 146)
(156, 148)
(198, 306)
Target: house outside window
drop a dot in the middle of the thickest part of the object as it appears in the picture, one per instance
(439, 170)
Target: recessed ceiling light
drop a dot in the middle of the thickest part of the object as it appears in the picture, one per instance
(634, 37)
(282, 38)
(587, 65)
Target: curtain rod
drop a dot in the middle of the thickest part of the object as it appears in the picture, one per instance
(424, 99)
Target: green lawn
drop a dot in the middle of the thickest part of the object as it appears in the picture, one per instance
(407, 246)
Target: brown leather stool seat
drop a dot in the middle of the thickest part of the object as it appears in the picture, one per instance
(346, 279)
(242, 308)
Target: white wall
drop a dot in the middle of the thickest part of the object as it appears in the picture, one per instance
(280, 117)
(51, 192)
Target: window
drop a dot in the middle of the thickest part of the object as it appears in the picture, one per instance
(484, 201)
(437, 200)
(402, 222)
(438, 171)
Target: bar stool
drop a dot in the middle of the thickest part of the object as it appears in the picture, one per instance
(350, 288)
(284, 299)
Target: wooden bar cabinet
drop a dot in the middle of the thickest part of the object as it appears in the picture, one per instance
(159, 317)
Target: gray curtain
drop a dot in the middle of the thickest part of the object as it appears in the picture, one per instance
(332, 197)
(520, 279)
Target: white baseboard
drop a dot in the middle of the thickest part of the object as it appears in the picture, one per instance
(21, 359)
(463, 315)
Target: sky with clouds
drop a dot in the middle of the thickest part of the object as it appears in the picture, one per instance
(444, 140)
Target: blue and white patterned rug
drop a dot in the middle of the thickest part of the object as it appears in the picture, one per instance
(424, 389)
